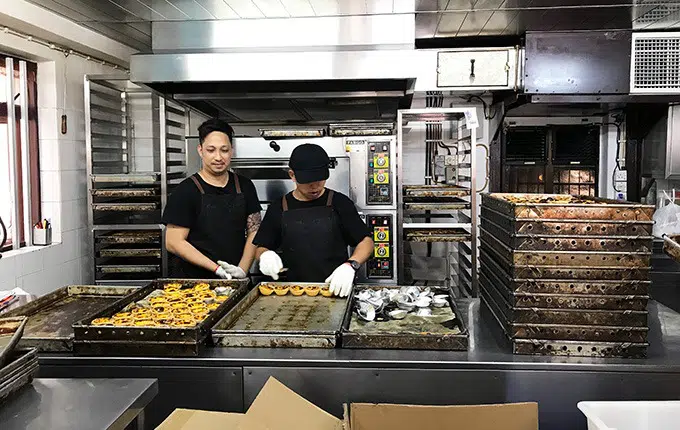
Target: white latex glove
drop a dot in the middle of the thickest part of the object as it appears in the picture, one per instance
(235, 271)
(271, 264)
(222, 273)
(341, 280)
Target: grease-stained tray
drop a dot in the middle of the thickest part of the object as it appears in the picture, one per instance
(561, 207)
(282, 321)
(22, 368)
(586, 317)
(51, 316)
(152, 341)
(11, 330)
(534, 242)
(444, 330)
(564, 286)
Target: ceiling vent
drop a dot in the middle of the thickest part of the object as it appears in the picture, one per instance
(655, 63)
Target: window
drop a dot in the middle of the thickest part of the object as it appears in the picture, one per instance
(19, 169)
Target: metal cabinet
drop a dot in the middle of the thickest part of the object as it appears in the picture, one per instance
(477, 69)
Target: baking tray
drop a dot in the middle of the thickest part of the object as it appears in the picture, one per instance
(671, 247)
(590, 259)
(579, 208)
(50, 317)
(130, 237)
(11, 330)
(413, 332)
(589, 317)
(565, 301)
(282, 321)
(440, 205)
(532, 242)
(20, 371)
(129, 252)
(436, 235)
(562, 286)
(152, 341)
(580, 349)
(125, 207)
(562, 332)
(567, 227)
(433, 192)
(125, 192)
(133, 178)
(566, 272)
(128, 268)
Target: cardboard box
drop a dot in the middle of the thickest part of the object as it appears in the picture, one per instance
(277, 407)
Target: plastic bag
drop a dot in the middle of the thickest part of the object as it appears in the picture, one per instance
(667, 220)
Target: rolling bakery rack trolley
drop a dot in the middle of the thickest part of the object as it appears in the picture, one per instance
(439, 210)
(136, 153)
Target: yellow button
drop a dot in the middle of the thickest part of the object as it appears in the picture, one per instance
(381, 161)
(381, 251)
(381, 234)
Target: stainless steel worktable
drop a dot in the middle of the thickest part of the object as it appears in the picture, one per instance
(73, 404)
(228, 379)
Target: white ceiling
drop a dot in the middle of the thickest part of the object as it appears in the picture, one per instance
(129, 21)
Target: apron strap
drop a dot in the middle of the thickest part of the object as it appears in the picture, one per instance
(284, 204)
(237, 184)
(329, 202)
(198, 184)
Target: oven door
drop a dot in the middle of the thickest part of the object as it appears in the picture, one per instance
(271, 179)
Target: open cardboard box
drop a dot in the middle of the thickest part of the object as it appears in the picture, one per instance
(277, 407)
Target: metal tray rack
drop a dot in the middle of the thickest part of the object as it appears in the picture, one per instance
(413, 332)
(567, 275)
(51, 316)
(22, 368)
(282, 321)
(129, 176)
(151, 341)
(437, 218)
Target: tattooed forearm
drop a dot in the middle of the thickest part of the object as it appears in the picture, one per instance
(253, 223)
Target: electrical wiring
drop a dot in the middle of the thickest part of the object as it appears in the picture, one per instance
(486, 110)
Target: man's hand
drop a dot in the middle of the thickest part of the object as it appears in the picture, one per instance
(235, 271)
(341, 280)
(222, 273)
(271, 264)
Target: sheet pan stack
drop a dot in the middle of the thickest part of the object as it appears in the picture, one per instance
(567, 275)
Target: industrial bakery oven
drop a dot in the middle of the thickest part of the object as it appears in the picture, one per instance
(361, 167)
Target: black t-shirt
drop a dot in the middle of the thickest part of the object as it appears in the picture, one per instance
(184, 204)
(354, 230)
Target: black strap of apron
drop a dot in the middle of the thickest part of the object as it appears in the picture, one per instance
(198, 184)
(237, 184)
(329, 201)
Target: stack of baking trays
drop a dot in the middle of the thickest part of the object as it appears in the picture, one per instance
(126, 229)
(17, 366)
(567, 275)
(168, 317)
(437, 214)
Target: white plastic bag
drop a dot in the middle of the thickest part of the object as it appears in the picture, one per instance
(667, 220)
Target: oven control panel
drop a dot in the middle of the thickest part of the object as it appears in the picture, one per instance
(379, 183)
(381, 265)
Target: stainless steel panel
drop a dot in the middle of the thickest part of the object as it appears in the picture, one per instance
(386, 30)
(357, 149)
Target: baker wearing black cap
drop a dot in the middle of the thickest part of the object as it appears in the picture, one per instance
(313, 227)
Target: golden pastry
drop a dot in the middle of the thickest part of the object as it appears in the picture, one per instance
(102, 321)
(297, 290)
(281, 290)
(202, 287)
(213, 306)
(312, 291)
(265, 290)
(172, 287)
(122, 315)
(326, 292)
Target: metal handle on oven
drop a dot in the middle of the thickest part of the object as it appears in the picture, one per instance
(486, 180)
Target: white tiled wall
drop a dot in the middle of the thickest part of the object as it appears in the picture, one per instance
(62, 173)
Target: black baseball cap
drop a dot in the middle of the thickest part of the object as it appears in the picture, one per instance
(310, 163)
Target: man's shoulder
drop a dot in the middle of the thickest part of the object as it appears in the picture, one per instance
(341, 198)
(187, 186)
(244, 181)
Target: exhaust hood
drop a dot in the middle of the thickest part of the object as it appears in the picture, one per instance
(282, 87)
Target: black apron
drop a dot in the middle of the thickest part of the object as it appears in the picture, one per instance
(219, 232)
(312, 245)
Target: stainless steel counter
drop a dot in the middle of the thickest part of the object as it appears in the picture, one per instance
(75, 404)
(228, 379)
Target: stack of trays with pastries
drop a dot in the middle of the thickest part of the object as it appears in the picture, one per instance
(567, 275)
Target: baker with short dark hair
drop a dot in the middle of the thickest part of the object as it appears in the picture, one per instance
(213, 215)
(312, 227)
